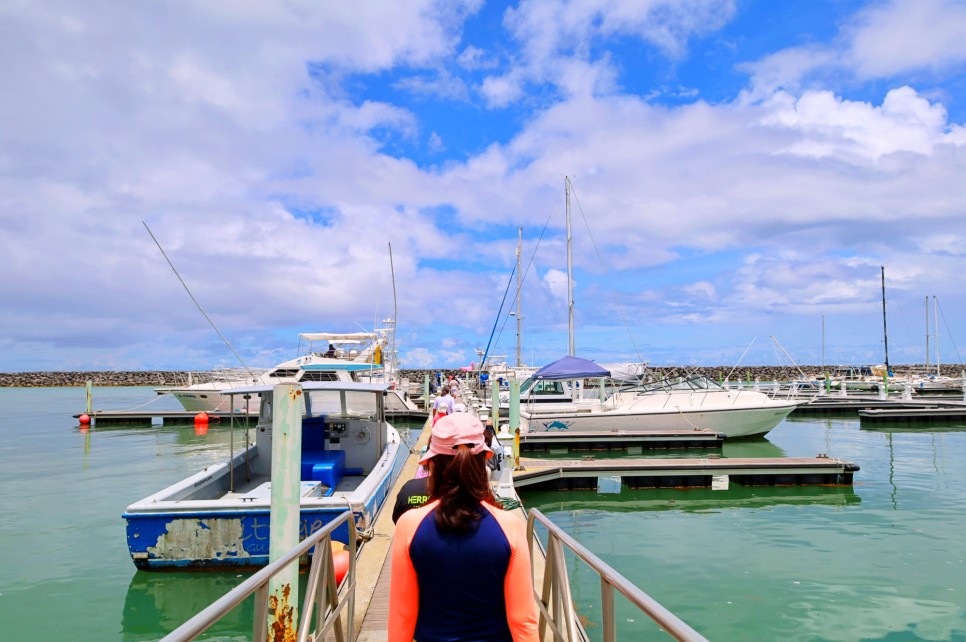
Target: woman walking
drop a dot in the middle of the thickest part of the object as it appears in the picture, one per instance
(460, 565)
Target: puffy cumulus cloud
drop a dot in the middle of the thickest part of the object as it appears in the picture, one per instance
(556, 282)
(832, 126)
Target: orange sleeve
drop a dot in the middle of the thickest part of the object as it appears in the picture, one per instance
(403, 587)
(521, 607)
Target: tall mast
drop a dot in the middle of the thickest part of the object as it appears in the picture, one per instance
(392, 349)
(935, 301)
(570, 272)
(927, 333)
(885, 333)
(519, 283)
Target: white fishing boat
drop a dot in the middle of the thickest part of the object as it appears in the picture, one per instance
(328, 356)
(683, 403)
(219, 517)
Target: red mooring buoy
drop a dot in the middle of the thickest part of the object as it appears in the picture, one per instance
(340, 560)
(85, 420)
(201, 418)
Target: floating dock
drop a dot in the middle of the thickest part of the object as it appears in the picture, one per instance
(839, 405)
(572, 441)
(162, 417)
(932, 415)
(711, 472)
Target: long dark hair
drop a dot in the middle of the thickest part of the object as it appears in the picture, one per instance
(460, 482)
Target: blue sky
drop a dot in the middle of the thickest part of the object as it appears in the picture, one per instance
(741, 171)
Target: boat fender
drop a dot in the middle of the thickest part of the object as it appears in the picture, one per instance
(340, 560)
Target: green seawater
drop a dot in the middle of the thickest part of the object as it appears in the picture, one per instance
(883, 560)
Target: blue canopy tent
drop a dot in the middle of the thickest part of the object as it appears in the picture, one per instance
(570, 368)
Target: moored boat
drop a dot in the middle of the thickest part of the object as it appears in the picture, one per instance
(346, 357)
(219, 517)
(683, 403)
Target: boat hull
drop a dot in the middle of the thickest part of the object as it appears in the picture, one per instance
(233, 530)
(732, 422)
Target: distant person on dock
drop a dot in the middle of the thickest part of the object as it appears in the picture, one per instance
(460, 564)
(489, 435)
(443, 405)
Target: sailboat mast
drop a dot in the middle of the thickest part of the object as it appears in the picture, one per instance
(885, 333)
(935, 301)
(927, 333)
(392, 349)
(570, 273)
(519, 283)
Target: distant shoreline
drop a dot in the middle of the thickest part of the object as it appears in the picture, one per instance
(160, 378)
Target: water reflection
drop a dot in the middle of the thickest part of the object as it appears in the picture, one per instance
(687, 500)
(158, 603)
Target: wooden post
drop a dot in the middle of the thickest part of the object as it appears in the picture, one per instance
(426, 391)
(283, 589)
(90, 397)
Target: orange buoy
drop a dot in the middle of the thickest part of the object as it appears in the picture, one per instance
(85, 419)
(340, 560)
(201, 418)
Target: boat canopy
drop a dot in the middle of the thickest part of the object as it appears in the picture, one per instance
(313, 385)
(571, 368)
(336, 337)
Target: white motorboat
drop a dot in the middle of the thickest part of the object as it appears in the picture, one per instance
(684, 403)
(329, 356)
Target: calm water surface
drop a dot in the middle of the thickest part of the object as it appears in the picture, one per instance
(885, 560)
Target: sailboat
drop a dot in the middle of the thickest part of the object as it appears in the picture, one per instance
(684, 403)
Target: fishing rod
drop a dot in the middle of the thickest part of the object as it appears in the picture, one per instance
(198, 305)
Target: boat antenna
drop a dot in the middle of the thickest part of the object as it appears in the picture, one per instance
(738, 362)
(885, 334)
(198, 305)
(392, 350)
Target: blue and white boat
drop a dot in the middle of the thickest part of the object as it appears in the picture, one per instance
(219, 517)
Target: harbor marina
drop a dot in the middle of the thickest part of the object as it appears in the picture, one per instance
(220, 515)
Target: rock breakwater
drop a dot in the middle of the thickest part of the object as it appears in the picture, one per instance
(51, 379)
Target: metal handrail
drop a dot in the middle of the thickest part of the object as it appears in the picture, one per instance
(556, 606)
(323, 597)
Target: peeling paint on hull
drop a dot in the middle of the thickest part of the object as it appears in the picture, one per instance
(211, 540)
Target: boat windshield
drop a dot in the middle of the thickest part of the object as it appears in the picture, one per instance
(692, 383)
(341, 403)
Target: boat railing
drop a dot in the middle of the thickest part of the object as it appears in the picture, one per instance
(324, 601)
(557, 611)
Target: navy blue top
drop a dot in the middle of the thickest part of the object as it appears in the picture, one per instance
(465, 572)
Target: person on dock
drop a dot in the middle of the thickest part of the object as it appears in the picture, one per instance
(443, 405)
(460, 564)
(489, 435)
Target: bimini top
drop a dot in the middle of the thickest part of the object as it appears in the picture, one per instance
(340, 337)
(570, 368)
(313, 385)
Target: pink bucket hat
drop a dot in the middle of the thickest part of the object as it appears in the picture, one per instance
(455, 430)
